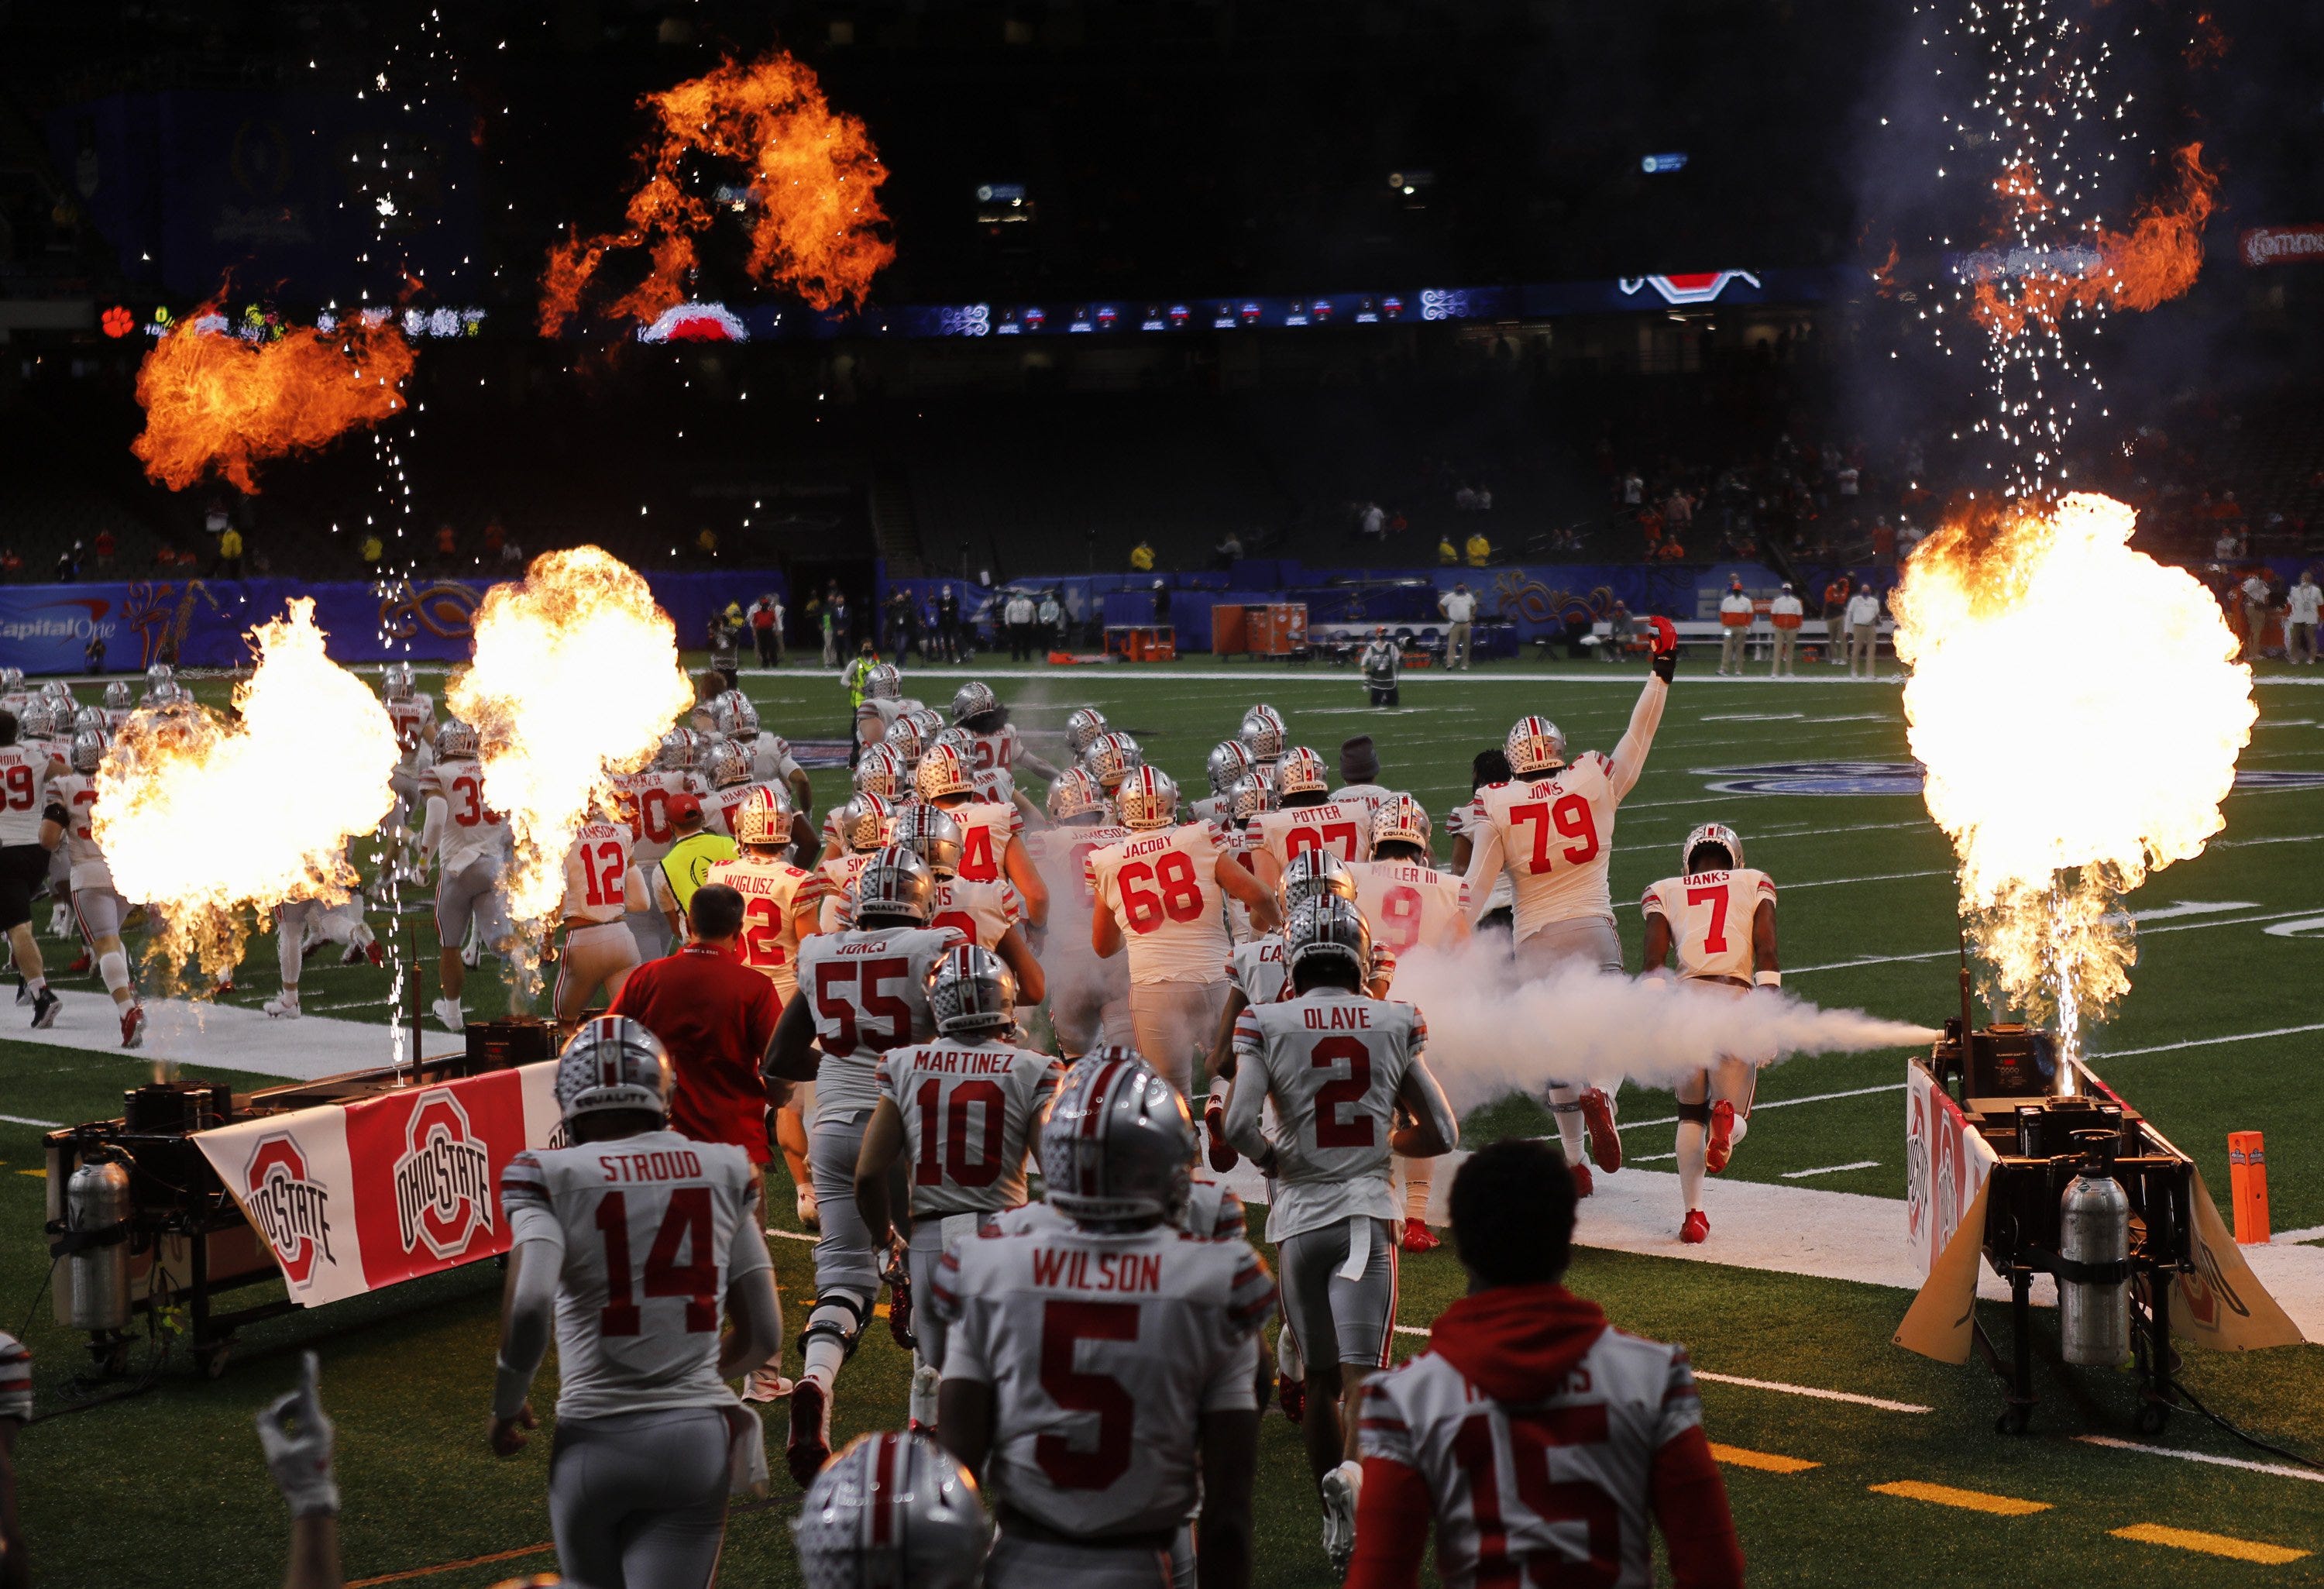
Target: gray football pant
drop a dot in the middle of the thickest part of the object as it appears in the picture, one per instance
(1337, 1320)
(1018, 1562)
(845, 1257)
(640, 1499)
(1174, 1022)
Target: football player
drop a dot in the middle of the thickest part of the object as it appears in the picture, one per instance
(861, 826)
(470, 842)
(14, 696)
(959, 1114)
(647, 1428)
(884, 701)
(877, 773)
(1717, 922)
(1082, 728)
(1089, 998)
(987, 914)
(410, 709)
(643, 798)
(32, 826)
(1160, 893)
(1263, 735)
(1337, 1065)
(862, 991)
(991, 847)
(602, 887)
(1551, 829)
(1490, 766)
(1307, 818)
(1158, 1409)
(1252, 796)
(771, 760)
(302, 925)
(997, 747)
(96, 906)
(1110, 758)
(1229, 762)
(120, 702)
(1523, 1379)
(890, 1511)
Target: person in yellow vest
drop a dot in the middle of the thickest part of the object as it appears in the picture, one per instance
(1480, 550)
(1141, 557)
(1786, 613)
(687, 865)
(1736, 612)
(1447, 554)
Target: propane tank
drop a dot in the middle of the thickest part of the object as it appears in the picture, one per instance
(97, 1203)
(2094, 1229)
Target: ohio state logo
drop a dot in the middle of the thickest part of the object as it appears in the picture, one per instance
(443, 1180)
(291, 1211)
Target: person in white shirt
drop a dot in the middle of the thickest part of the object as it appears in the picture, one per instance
(1864, 634)
(2300, 619)
(1785, 615)
(1459, 606)
(2256, 609)
(1736, 612)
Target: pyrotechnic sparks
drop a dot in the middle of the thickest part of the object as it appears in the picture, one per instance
(209, 820)
(812, 181)
(576, 674)
(215, 403)
(2064, 787)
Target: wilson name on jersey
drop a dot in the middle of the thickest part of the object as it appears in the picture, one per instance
(1332, 1062)
(868, 991)
(1710, 914)
(1163, 890)
(772, 892)
(597, 874)
(1344, 827)
(968, 1111)
(1554, 837)
(1410, 906)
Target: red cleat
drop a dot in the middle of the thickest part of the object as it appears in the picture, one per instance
(1223, 1156)
(1696, 1230)
(809, 1445)
(1582, 1185)
(1597, 1118)
(1293, 1394)
(1417, 1237)
(79, 967)
(133, 1027)
(1722, 1137)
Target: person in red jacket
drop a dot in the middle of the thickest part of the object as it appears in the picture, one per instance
(1515, 1368)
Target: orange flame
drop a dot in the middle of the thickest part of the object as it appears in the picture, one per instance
(217, 403)
(2156, 261)
(1883, 275)
(2206, 44)
(815, 175)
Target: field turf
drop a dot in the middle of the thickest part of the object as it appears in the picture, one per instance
(2220, 1033)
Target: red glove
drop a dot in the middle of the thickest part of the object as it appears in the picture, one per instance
(1666, 648)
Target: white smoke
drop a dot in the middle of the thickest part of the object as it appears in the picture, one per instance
(1491, 1032)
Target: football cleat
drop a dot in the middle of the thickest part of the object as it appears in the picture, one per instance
(1696, 1229)
(133, 1027)
(1605, 1142)
(1582, 1182)
(448, 1011)
(765, 1385)
(45, 1005)
(1222, 1153)
(809, 1445)
(282, 1004)
(1716, 1151)
(1339, 1490)
(79, 967)
(1417, 1237)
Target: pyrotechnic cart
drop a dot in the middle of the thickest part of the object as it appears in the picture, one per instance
(2083, 1188)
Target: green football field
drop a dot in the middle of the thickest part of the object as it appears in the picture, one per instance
(1905, 1480)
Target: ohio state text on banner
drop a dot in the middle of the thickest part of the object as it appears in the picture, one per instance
(1945, 1167)
(354, 1198)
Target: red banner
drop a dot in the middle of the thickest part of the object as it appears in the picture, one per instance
(2274, 245)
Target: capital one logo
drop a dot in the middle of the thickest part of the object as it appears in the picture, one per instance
(443, 1179)
(291, 1211)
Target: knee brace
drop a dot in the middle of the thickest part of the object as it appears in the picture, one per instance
(839, 1317)
(1698, 1113)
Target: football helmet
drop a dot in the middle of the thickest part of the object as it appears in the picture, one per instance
(1146, 799)
(612, 1063)
(681, 751)
(1327, 928)
(1117, 1143)
(734, 716)
(930, 833)
(959, 739)
(168, 693)
(12, 679)
(971, 990)
(973, 701)
(1110, 759)
(397, 681)
(763, 818)
(88, 750)
(1074, 794)
(1311, 875)
(88, 717)
(878, 772)
(455, 742)
(61, 693)
(896, 882)
(1712, 833)
(727, 764)
(891, 1509)
(159, 673)
(905, 742)
(1262, 732)
(1534, 746)
(1300, 772)
(1402, 819)
(38, 720)
(943, 772)
(1230, 759)
(1251, 794)
(863, 821)
(1083, 729)
(119, 697)
(884, 682)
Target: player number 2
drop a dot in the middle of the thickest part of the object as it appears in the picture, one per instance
(1179, 897)
(1570, 815)
(951, 1134)
(1085, 1463)
(686, 1223)
(763, 932)
(1714, 942)
(1569, 1501)
(1331, 1131)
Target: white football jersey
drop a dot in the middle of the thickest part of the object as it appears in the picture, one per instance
(597, 874)
(986, 827)
(979, 911)
(1371, 797)
(998, 787)
(1555, 1490)
(1469, 819)
(1710, 914)
(15, 702)
(1553, 837)
(771, 760)
(1163, 889)
(719, 806)
(969, 1111)
(770, 889)
(1342, 828)
(24, 773)
(1061, 856)
(15, 1378)
(1408, 905)
(1257, 967)
(649, 1232)
(868, 991)
(413, 718)
(1103, 1351)
(835, 884)
(1331, 1061)
(471, 829)
(996, 752)
(645, 798)
(77, 793)
(116, 718)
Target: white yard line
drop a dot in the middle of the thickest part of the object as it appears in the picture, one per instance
(2314, 1233)
(26, 1120)
(2241, 1037)
(1801, 1175)
(1897, 1086)
(1882, 1402)
(2277, 1469)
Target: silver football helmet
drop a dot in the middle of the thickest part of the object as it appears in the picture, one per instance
(1230, 759)
(892, 1510)
(943, 771)
(734, 716)
(159, 673)
(904, 742)
(1262, 732)
(1110, 758)
(60, 692)
(1401, 820)
(1147, 799)
(119, 697)
(455, 742)
(1311, 875)
(681, 751)
(884, 683)
(1300, 772)
(763, 818)
(1534, 746)
(397, 681)
(929, 832)
(1712, 833)
(971, 990)
(973, 701)
(88, 748)
(613, 1063)
(1083, 729)
(878, 772)
(1117, 1143)
(895, 884)
(168, 693)
(1074, 794)
(1251, 794)
(12, 679)
(88, 717)
(1328, 929)
(727, 765)
(38, 720)
(862, 823)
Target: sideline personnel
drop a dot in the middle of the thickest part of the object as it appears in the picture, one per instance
(687, 865)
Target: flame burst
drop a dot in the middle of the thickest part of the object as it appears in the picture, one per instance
(2155, 261)
(575, 676)
(211, 818)
(217, 403)
(813, 182)
(2055, 781)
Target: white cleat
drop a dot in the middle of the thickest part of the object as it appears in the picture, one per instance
(60, 921)
(282, 1005)
(766, 1385)
(448, 1011)
(1340, 1488)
